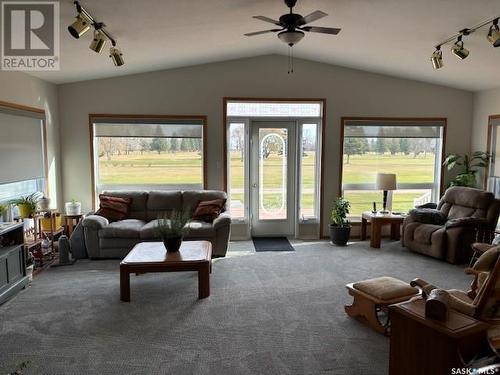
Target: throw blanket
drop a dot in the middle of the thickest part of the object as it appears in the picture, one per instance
(428, 216)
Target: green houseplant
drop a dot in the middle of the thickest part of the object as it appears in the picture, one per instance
(340, 228)
(172, 227)
(469, 166)
(26, 205)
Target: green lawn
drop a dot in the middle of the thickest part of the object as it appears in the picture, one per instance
(186, 168)
(152, 168)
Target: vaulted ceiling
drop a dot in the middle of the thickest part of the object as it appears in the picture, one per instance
(394, 37)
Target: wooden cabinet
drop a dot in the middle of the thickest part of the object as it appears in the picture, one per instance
(12, 261)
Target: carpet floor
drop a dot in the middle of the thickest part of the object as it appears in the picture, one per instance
(268, 313)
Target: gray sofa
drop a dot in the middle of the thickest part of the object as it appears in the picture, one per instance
(116, 239)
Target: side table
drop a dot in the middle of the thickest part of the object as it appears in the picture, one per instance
(377, 221)
(70, 222)
(420, 345)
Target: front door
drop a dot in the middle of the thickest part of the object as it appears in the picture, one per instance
(272, 176)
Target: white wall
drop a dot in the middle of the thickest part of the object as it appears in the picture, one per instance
(486, 103)
(199, 90)
(20, 88)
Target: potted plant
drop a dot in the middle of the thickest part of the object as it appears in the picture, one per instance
(340, 228)
(172, 228)
(470, 166)
(73, 208)
(26, 205)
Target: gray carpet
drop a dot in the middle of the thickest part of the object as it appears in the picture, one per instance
(269, 313)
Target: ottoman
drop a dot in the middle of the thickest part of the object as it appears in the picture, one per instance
(372, 297)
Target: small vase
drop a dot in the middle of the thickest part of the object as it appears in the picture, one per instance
(24, 211)
(172, 244)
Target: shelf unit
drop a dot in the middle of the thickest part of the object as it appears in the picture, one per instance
(13, 275)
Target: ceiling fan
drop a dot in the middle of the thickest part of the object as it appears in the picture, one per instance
(292, 26)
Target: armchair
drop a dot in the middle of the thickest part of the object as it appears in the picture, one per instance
(446, 232)
(482, 301)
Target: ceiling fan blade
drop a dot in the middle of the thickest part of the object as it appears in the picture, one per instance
(312, 17)
(262, 32)
(267, 19)
(323, 30)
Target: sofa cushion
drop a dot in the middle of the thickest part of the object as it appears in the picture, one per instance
(208, 210)
(423, 233)
(163, 202)
(138, 206)
(148, 231)
(128, 228)
(201, 229)
(191, 198)
(113, 208)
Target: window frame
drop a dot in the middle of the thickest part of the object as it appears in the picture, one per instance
(93, 118)
(422, 121)
(38, 113)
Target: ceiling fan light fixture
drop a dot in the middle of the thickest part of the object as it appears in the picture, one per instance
(494, 34)
(79, 27)
(459, 50)
(98, 42)
(117, 56)
(291, 37)
(437, 59)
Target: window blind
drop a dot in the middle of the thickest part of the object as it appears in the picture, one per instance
(177, 129)
(392, 131)
(21, 147)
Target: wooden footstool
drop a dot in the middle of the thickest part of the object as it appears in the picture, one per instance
(373, 296)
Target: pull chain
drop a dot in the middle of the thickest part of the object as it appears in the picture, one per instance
(290, 59)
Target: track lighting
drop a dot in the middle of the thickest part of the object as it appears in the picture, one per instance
(116, 55)
(494, 34)
(98, 42)
(79, 27)
(83, 22)
(437, 58)
(459, 50)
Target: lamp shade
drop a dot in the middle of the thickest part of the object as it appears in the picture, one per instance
(386, 181)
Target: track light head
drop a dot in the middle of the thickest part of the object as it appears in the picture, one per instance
(98, 42)
(459, 50)
(117, 56)
(79, 27)
(437, 58)
(494, 34)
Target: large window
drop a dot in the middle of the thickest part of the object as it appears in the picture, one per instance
(148, 154)
(410, 149)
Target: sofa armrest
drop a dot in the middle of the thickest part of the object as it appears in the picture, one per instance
(428, 205)
(95, 222)
(223, 220)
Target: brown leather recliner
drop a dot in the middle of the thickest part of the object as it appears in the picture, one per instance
(448, 231)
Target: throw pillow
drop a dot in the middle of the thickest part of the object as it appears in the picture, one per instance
(208, 210)
(113, 208)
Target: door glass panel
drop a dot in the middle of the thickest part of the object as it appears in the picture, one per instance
(308, 171)
(236, 158)
(273, 145)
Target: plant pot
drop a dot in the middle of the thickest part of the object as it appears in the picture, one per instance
(25, 210)
(73, 208)
(172, 244)
(339, 235)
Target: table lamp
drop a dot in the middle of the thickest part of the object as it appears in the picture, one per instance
(386, 182)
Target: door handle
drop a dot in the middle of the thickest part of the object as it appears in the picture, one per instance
(254, 185)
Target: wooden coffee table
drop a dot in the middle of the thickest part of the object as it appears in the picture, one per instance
(377, 221)
(152, 257)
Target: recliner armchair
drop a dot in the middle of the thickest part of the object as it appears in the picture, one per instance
(448, 231)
